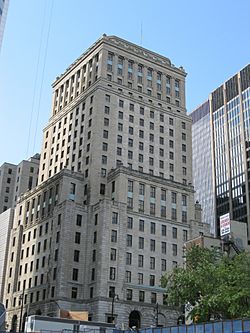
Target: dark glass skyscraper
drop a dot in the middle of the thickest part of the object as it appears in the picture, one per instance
(229, 113)
(202, 162)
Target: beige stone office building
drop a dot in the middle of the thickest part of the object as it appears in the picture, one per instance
(114, 202)
(14, 181)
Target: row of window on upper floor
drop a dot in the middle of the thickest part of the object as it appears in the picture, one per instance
(75, 77)
(139, 70)
(152, 190)
(121, 104)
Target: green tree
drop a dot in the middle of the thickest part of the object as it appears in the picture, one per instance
(214, 284)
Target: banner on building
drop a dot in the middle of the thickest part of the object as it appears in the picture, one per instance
(224, 224)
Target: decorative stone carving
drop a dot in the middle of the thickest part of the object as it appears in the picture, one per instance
(139, 51)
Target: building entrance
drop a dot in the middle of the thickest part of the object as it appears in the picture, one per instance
(135, 319)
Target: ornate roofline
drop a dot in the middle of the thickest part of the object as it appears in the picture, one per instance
(128, 46)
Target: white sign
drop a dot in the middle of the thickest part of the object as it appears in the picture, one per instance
(224, 224)
(188, 308)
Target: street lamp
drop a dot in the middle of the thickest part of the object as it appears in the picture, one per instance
(21, 298)
(157, 313)
(114, 297)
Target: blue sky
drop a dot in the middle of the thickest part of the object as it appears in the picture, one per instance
(209, 38)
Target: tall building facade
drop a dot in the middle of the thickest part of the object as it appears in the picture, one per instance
(202, 163)
(4, 4)
(14, 181)
(114, 202)
(6, 224)
(229, 111)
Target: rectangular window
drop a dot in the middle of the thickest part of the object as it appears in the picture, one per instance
(173, 197)
(140, 278)
(112, 273)
(163, 265)
(152, 191)
(130, 202)
(78, 220)
(129, 293)
(141, 189)
(152, 228)
(174, 232)
(128, 258)
(120, 127)
(130, 185)
(174, 248)
(140, 260)
(131, 118)
(141, 296)
(173, 214)
(152, 280)
(163, 247)
(152, 262)
(114, 218)
(141, 206)
(92, 274)
(130, 155)
(102, 189)
(141, 225)
(140, 158)
(153, 298)
(130, 130)
(129, 240)
(184, 200)
(104, 147)
(164, 230)
(113, 236)
(77, 237)
(141, 243)
(76, 255)
(184, 216)
(141, 134)
(128, 276)
(104, 159)
(152, 208)
(152, 245)
(113, 254)
(74, 292)
(130, 222)
(75, 274)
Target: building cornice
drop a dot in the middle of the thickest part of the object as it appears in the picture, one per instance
(56, 178)
(124, 45)
(145, 176)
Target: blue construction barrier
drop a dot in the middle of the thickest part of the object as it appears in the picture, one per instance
(226, 326)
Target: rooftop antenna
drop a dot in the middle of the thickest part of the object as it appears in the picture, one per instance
(141, 33)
